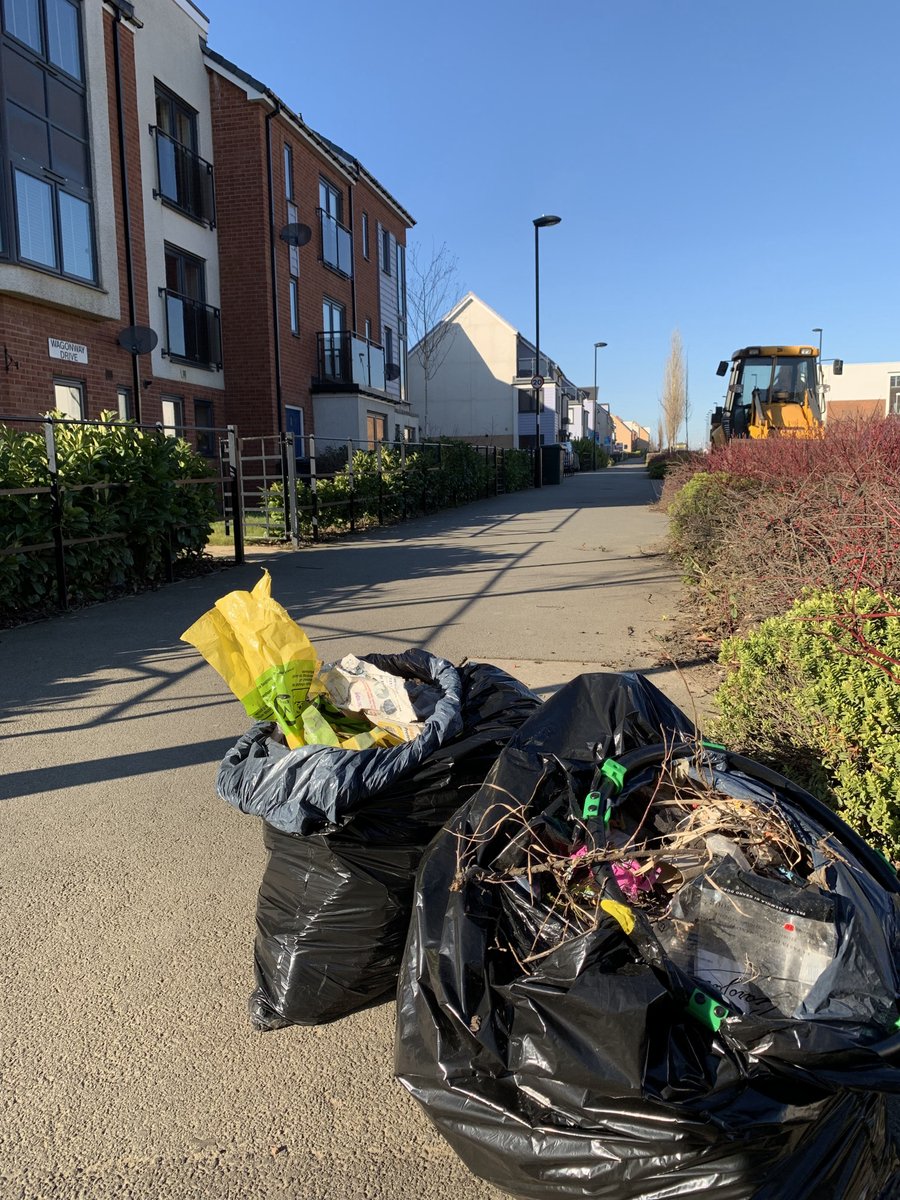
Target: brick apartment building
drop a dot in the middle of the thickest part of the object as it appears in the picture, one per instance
(115, 213)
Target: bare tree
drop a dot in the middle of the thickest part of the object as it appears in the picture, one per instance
(673, 394)
(432, 291)
(660, 435)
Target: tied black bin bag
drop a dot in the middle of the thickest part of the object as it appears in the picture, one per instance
(640, 966)
(345, 831)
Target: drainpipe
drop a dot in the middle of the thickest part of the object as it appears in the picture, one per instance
(276, 337)
(126, 211)
(353, 263)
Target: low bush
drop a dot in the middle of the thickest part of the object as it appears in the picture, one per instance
(126, 511)
(590, 455)
(660, 463)
(788, 514)
(419, 480)
(816, 693)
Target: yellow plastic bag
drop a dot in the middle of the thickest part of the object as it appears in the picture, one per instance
(262, 654)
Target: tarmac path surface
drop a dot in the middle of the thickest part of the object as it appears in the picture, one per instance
(128, 1068)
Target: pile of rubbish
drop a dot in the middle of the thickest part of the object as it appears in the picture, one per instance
(271, 666)
(354, 767)
(640, 966)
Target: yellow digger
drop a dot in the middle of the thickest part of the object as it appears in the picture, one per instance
(774, 391)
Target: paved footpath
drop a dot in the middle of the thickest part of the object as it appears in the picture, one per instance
(128, 1068)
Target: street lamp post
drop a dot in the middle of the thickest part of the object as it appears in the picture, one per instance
(539, 223)
(597, 346)
(819, 332)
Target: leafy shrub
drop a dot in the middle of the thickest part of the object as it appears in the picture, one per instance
(590, 453)
(660, 463)
(118, 484)
(421, 479)
(816, 692)
(795, 513)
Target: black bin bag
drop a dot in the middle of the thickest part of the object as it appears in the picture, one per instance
(641, 966)
(345, 831)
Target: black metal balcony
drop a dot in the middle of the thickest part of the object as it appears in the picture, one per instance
(184, 179)
(350, 359)
(337, 244)
(193, 331)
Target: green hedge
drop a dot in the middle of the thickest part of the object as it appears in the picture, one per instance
(816, 692)
(146, 515)
(590, 453)
(422, 480)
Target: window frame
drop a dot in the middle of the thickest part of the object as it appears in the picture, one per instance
(385, 250)
(177, 104)
(288, 171)
(365, 236)
(81, 386)
(125, 400)
(47, 171)
(294, 305)
(177, 427)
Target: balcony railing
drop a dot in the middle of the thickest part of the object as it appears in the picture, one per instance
(337, 244)
(193, 330)
(184, 179)
(525, 367)
(348, 358)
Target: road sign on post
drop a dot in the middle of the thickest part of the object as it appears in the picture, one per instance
(537, 382)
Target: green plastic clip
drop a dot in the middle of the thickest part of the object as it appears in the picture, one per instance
(614, 771)
(712, 745)
(591, 805)
(706, 1010)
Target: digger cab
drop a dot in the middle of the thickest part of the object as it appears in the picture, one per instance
(772, 391)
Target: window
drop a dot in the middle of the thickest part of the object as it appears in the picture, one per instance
(288, 172)
(401, 280)
(176, 119)
(172, 416)
(386, 251)
(295, 306)
(527, 401)
(337, 248)
(895, 381)
(365, 235)
(397, 435)
(332, 340)
(68, 398)
(206, 435)
(368, 329)
(330, 199)
(125, 404)
(46, 141)
(376, 428)
(388, 347)
(185, 179)
(192, 325)
(401, 363)
(293, 251)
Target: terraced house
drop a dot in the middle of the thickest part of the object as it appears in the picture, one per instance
(177, 246)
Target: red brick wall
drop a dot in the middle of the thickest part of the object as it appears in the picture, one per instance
(366, 199)
(26, 384)
(242, 223)
(243, 215)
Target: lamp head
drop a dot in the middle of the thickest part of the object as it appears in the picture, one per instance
(599, 345)
(544, 221)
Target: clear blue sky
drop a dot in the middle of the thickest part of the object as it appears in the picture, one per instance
(729, 169)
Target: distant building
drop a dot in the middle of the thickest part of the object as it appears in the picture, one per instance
(481, 391)
(640, 436)
(862, 390)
